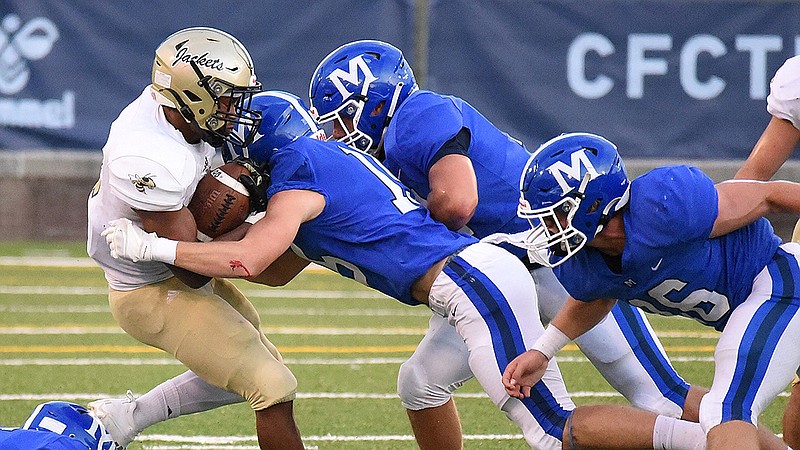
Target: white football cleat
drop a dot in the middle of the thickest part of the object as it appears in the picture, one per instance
(116, 414)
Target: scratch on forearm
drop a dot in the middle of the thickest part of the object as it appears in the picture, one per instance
(236, 264)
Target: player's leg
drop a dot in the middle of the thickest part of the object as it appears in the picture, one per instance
(426, 382)
(486, 294)
(626, 351)
(791, 416)
(276, 421)
(755, 358)
(491, 306)
(124, 418)
(209, 336)
(184, 394)
(625, 427)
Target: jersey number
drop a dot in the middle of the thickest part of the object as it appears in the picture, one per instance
(706, 305)
(402, 196)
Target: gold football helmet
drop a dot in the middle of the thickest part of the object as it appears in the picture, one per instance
(208, 76)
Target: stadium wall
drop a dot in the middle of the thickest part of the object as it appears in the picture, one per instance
(44, 192)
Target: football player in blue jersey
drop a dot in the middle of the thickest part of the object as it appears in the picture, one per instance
(338, 207)
(776, 144)
(467, 171)
(58, 426)
(673, 243)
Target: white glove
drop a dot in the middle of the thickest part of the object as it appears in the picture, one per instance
(128, 241)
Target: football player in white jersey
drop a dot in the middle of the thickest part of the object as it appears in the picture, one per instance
(157, 150)
(776, 144)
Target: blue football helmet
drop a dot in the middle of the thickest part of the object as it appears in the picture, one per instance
(72, 420)
(284, 118)
(569, 189)
(360, 85)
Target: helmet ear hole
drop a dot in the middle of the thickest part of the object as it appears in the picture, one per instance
(192, 97)
(377, 110)
(594, 206)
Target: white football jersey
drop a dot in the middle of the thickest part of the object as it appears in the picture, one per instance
(147, 165)
(784, 96)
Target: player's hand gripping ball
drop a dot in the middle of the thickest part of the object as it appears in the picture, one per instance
(220, 202)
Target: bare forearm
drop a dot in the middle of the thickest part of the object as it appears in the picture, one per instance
(576, 317)
(222, 259)
(773, 148)
(742, 202)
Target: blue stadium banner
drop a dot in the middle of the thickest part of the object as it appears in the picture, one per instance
(669, 79)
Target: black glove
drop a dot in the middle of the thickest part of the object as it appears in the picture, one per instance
(256, 184)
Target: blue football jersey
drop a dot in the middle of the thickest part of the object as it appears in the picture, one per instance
(670, 266)
(16, 439)
(371, 229)
(419, 128)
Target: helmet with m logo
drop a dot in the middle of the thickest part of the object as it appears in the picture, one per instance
(569, 189)
(360, 85)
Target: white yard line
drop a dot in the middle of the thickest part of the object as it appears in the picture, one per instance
(256, 293)
(289, 361)
(62, 330)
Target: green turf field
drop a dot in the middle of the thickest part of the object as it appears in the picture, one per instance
(343, 341)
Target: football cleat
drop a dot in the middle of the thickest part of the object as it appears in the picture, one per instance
(116, 415)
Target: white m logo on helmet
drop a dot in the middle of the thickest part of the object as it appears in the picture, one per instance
(560, 169)
(351, 76)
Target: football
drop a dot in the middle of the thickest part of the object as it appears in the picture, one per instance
(220, 203)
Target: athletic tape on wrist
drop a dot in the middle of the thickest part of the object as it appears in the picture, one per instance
(165, 250)
(551, 341)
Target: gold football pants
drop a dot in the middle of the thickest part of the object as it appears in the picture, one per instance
(215, 331)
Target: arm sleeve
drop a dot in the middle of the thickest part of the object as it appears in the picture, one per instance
(783, 101)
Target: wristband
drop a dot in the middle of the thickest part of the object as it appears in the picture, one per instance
(551, 341)
(164, 250)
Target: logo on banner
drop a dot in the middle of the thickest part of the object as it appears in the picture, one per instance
(21, 43)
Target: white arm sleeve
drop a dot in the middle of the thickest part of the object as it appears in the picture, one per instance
(784, 97)
(145, 184)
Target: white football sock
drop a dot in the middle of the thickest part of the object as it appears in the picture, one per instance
(184, 394)
(675, 434)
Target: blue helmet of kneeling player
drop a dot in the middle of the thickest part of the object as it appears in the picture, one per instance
(284, 118)
(72, 420)
(571, 185)
(359, 86)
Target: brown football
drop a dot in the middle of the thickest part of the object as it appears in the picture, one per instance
(220, 203)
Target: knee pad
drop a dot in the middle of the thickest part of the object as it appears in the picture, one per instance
(418, 388)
